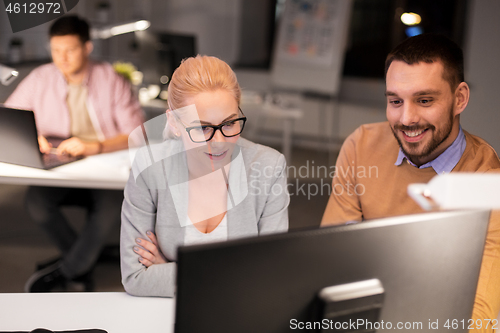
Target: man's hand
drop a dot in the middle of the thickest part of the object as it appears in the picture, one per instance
(149, 253)
(45, 146)
(76, 147)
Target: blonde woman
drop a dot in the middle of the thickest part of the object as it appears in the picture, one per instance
(203, 184)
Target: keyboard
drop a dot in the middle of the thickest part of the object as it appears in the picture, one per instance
(53, 160)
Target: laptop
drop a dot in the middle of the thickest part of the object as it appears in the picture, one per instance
(19, 141)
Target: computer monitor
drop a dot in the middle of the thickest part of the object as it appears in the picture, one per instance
(416, 272)
(172, 49)
(161, 53)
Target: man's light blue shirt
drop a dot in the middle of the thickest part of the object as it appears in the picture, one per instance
(445, 162)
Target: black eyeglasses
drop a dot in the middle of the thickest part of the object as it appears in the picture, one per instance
(205, 133)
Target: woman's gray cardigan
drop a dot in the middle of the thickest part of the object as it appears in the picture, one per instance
(260, 207)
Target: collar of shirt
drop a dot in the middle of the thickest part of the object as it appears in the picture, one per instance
(86, 78)
(446, 161)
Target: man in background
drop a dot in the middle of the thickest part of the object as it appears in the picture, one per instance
(426, 93)
(92, 109)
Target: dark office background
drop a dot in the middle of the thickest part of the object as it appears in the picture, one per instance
(243, 33)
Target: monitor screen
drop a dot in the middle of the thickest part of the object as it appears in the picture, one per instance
(161, 53)
(412, 272)
(172, 49)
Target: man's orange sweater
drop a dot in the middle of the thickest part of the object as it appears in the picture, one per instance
(367, 185)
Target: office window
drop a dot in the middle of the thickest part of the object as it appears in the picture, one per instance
(376, 27)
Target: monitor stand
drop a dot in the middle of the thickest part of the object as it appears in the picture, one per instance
(351, 307)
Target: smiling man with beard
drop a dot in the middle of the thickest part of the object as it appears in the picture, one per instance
(426, 93)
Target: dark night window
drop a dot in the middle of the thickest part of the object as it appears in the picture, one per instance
(376, 28)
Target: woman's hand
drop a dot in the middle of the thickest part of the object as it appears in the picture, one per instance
(149, 253)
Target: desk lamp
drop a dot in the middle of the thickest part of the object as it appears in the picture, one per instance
(7, 75)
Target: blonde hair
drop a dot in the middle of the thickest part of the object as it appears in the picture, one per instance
(201, 74)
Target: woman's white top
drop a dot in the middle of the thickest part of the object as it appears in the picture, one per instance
(194, 236)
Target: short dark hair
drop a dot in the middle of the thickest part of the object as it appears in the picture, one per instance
(70, 25)
(430, 48)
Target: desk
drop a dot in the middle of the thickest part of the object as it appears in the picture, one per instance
(113, 312)
(104, 171)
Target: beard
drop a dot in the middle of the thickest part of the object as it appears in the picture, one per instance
(416, 151)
